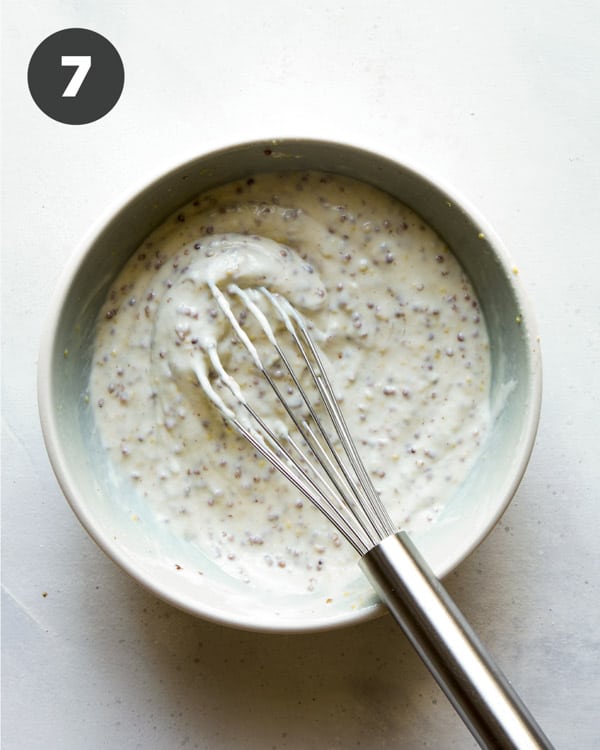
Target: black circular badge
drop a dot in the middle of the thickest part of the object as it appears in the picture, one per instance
(76, 76)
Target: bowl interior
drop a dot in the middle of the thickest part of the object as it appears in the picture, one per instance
(176, 571)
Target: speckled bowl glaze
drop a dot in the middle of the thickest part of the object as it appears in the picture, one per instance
(178, 572)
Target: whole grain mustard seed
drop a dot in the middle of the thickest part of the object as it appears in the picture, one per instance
(395, 317)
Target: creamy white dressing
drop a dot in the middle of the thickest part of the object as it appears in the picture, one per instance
(397, 322)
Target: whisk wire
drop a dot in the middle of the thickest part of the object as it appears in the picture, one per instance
(308, 488)
(342, 479)
(301, 425)
(319, 374)
(343, 491)
(274, 453)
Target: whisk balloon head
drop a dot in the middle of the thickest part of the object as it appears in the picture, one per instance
(308, 441)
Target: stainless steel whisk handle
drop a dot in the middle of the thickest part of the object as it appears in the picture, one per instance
(480, 693)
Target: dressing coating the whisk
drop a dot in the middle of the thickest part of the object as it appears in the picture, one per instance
(311, 445)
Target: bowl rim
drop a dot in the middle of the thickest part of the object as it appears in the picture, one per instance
(76, 261)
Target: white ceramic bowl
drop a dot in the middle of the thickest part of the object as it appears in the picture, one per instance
(169, 567)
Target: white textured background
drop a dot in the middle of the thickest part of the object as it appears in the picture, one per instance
(502, 100)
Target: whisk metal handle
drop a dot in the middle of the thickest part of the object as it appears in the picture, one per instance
(480, 693)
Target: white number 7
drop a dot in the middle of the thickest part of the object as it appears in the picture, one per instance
(83, 63)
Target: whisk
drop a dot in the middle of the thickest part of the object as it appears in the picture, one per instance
(314, 450)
